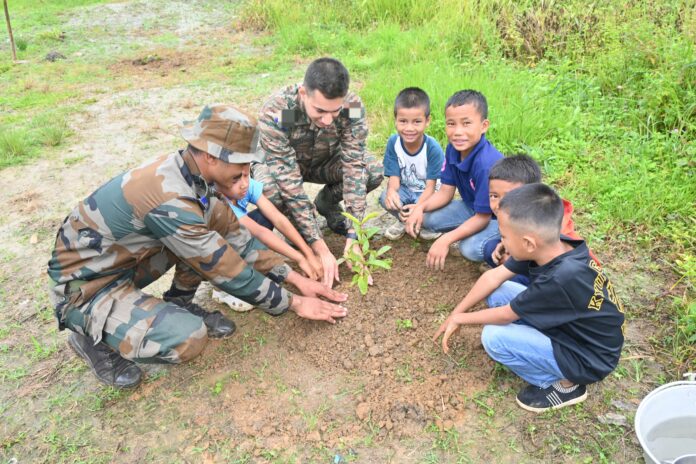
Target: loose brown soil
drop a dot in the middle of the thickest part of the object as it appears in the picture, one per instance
(402, 379)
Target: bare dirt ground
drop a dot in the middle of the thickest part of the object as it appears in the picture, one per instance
(371, 389)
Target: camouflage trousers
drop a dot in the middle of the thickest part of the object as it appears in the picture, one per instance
(140, 327)
(330, 174)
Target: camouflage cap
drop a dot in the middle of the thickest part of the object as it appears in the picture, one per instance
(224, 132)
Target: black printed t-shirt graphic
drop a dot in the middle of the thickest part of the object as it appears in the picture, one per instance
(571, 301)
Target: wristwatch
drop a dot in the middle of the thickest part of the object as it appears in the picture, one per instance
(352, 235)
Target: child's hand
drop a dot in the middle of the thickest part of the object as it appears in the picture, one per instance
(315, 264)
(447, 328)
(437, 254)
(499, 255)
(308, 269)
(393, 200)
(414, 219)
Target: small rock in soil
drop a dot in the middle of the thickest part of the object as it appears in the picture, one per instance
(362, 411)
(613, 419)
(618, 404)
(368, 341)
(314, 436)
(347, 364)
(375, 350)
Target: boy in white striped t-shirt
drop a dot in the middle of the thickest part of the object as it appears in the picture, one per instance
(412, 161)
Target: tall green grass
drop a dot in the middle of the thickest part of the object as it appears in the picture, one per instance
(21, 140)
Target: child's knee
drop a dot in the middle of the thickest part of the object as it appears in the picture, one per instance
(471, 250)
(493, 340)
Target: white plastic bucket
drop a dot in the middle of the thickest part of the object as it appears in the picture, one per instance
(666, 422)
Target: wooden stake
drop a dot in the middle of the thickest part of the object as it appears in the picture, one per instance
(9, 30)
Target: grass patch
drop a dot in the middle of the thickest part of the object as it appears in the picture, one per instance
(14, 146)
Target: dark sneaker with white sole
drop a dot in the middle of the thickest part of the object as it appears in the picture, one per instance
(107, 365)
(538, 399)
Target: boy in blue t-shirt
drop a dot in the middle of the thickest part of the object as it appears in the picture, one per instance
(468, 158)
(412, 161)
(563, 331)
(247, 191)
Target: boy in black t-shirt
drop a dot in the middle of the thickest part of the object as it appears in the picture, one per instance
(565, 330)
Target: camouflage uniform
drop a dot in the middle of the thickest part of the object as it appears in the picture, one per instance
(298, 151)
(134, 228)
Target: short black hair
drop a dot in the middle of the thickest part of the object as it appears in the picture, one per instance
(535, 207)
(329, 76)
(412, 97)
(519, 168)
(465, 97)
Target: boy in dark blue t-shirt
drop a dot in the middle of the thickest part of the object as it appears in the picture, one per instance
(565, 330)
(468, 158)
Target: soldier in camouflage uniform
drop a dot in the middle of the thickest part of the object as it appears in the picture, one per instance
(165, 213)
(315, 132)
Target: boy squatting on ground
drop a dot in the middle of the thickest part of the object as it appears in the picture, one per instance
(562, 332)
(244, 190)
(506, 175)
(412, 160)
(468, 158)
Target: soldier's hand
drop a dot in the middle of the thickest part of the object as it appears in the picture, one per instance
(315, 289)
(393, 201)
(329, 266)
(316, 309)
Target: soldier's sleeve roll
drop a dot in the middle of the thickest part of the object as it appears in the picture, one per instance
(353, 150)
(181, 228)
(282, 165)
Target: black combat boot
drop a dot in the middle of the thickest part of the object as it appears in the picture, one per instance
(331, 210)
(109, 366)
(218, 325)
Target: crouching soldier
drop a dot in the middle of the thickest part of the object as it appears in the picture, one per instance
(166, 213)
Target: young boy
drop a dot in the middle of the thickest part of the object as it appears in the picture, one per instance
(508, 174)
(562, 332)
(412, 161)
(244, 190)
(468, 158)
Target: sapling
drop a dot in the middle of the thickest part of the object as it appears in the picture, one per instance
(363, 259)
